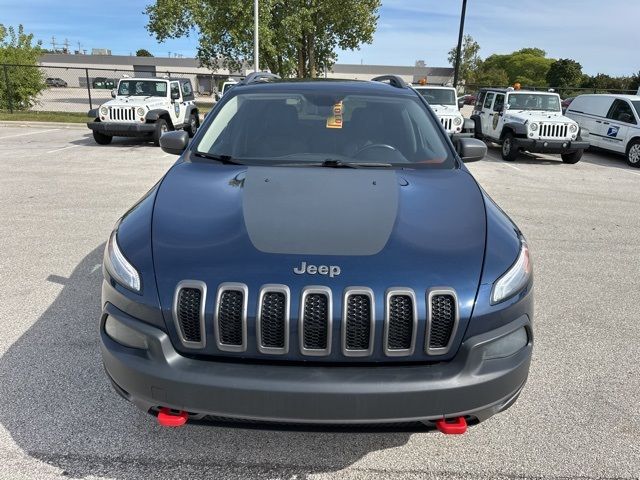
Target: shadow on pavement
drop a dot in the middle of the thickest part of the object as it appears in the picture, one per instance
(57, 405)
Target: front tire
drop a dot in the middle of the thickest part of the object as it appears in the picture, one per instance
(509, 149)
(161, 127)
(573, 157)
(192, 125)
(101, 138)
(633, 154)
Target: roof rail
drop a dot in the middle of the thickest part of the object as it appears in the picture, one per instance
(256, 77)
(394, 80)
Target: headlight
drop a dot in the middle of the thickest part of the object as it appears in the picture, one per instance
(533, 127)
(140, 112)
(119, 267)
(457, 121)
(573, 128)
(515, 278)
(104, 111)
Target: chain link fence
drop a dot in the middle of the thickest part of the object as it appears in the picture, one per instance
(564, 92)
(48, 88)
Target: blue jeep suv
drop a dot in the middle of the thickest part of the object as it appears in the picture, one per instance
(319, 253)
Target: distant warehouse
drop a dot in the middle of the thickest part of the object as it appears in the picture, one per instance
(205, 79)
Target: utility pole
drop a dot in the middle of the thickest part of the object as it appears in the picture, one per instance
(459, 49)
(53, 43)
(256, 40)
(66, 45)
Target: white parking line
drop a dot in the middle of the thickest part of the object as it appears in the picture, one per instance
(63, 148)
(512, 166)
(29, 133)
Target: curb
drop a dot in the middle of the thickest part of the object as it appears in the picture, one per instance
(19, 123)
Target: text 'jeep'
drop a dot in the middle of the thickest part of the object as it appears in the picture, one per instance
(146, 107)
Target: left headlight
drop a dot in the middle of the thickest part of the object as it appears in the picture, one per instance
(104, 111)
(514, 279)
(140, 112)
(457, 121)
(573, 128)
(119, 267)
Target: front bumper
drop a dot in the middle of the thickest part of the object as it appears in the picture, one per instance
(468, 385)
(116, 129)
(550, 146)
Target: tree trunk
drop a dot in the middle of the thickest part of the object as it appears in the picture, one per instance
(311, 56)
(302, 60)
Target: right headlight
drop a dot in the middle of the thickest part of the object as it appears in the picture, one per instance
(104, 111)
(533, 127)
(119, 267)
(457, 121)
(514, 279)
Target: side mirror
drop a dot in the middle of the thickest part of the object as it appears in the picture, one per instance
(113, 93)
(175, 95)
(469, 149)
(174, 142)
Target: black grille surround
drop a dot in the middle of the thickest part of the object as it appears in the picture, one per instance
(315, 321)
(188, 313)
(230, 319)
(442, 320)
(272, 319)
(358, 322)
(400, 322)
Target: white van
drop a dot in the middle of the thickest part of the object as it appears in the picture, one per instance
(613, 122)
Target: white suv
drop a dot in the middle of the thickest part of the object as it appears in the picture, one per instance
(531, 121)
(613, 122)
(146, 107)
(443, 101)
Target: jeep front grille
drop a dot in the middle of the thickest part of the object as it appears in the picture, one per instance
(272, 319)
(358, 322)
(188, 313)
(315, 321)
(553, 130)
(231, 317)
(447, 123)
(401, 322)
(442, 320)
(123, 114)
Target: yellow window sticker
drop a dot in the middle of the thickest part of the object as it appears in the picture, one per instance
(335, 120)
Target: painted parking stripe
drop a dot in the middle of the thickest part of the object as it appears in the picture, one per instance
(30, 133)
(63, 148)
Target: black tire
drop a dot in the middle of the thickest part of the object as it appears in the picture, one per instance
(477, 130)
(161, 127)
(192, 125)
(633, 153)
(101, 138)
(573, 157)
(509, 151)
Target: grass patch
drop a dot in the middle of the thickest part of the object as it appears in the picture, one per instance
(29, 116)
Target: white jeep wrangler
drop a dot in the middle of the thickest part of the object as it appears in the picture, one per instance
(443, 102)
(146, 107)
(527, 121)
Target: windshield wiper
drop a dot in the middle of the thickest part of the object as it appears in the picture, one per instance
(225, 159)
(331, 163)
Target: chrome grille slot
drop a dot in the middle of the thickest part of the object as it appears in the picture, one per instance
(230, 319)
(272, 319)
(122, 114)
(358, 322)
(553, 130)
(188, 313)
(442, 320)
(315, 321)
(400, 322)
(446, 123)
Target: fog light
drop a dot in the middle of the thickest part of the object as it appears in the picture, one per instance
(546, 144)
(507, 345)
(564, 145)
(124, 335)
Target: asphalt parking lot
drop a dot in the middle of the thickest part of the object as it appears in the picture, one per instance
(578, 417)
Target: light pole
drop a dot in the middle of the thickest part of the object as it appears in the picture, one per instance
(459, 49)
(256, 46)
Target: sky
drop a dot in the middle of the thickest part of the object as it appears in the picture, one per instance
(604, 36)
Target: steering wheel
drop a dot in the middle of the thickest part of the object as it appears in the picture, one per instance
(375, 145)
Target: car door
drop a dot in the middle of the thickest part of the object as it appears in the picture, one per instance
(615, 128)
(496, 117)
(486, 111)
(177, 109)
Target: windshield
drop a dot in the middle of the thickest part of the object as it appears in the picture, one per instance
(534, 101)
(142, 88)
(227, 86)
(438, 96)
(303, 128)
(636, 105)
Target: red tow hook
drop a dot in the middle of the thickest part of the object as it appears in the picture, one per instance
(452, 426)
(172, 418)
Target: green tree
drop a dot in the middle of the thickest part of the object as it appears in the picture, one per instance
(143, 52)
(564, 73)
(469, 59)
(296, 36)
(528, 66)
(21, 56)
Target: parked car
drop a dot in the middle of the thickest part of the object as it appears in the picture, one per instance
(103, 83)
(467, 99)
(565, 103)
(147, 108)
(226, 86)
(319, 253)
(55, 82)
(521, 120)
(443, 102)
(613, 122)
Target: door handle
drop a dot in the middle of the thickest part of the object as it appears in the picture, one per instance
(606, 123)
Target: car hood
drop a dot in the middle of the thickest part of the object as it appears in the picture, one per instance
(123, 101)
(382, 228)
(445, 110)
(529, 115)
